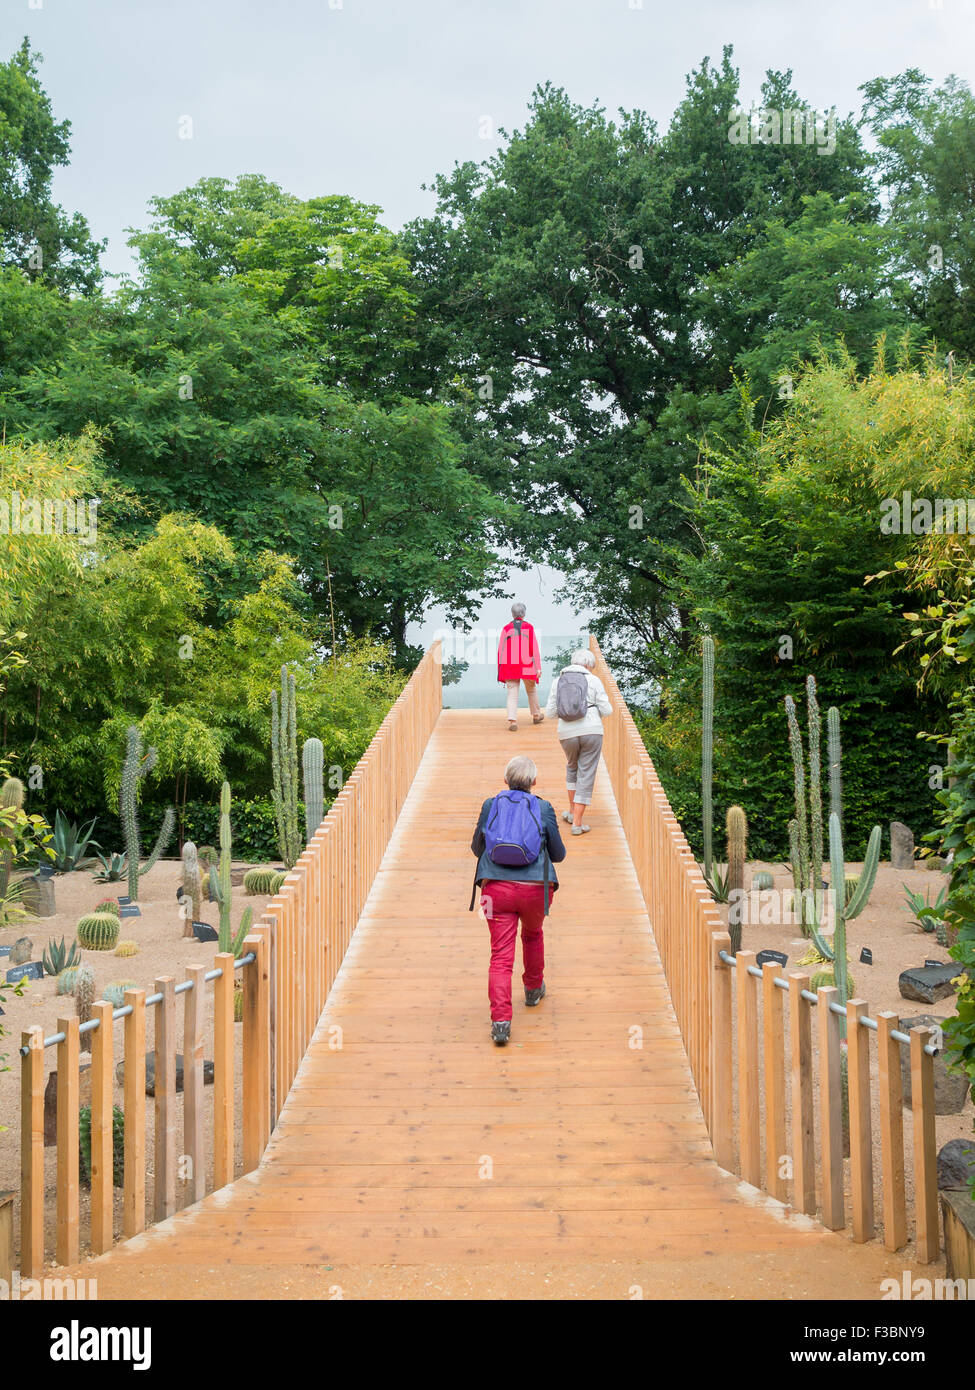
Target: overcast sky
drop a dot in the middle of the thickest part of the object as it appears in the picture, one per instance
(372, 98)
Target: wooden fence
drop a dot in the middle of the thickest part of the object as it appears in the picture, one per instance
(287, 966)
(743, 1042)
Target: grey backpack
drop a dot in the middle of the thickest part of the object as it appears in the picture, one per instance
(572, 695)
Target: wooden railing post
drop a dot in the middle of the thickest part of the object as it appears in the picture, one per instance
(32, 1153)
(830, 1108)
(803, 1146)
(67, 1244)
(925, 1147)
(891, 1132)
(134, 1070)
(750, 1150)
(773, 1007)
(722, 1073)
(194, 1033)
(223, 1069)
(102, 1130)
(164, 1203)
(256, 1090)
(861, 1141)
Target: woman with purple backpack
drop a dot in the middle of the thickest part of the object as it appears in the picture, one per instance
(517, 843)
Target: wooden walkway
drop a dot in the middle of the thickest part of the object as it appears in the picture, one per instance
(415, 1159)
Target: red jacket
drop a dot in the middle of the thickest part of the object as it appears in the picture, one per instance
(518, 654)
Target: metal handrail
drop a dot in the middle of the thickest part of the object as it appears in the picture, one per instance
(152, 999)
(835, 1008)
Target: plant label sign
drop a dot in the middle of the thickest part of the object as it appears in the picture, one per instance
(33, 970)
(866, 956)
(204, 932)
(123, 901)
(5, 951)
(130, 910)
(770, 957)
(935, 962)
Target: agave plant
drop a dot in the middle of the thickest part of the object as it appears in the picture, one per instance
(71, 844)
(926, 914)
(114, 868)
(57, 957)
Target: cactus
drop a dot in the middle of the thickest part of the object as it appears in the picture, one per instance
(114, 992)
(192, 886)
(284, 767)
(109, 905)
(98, 931)
(737, 829)
(261, 881)
(57, 958)
(134, 769)
(762, 881)
(834, 753)
(806, 827)
(84, 998)
(238, 1005)
(127, 948)
(220, 890)
(276, 882)
(66, 981)
(118, 1145)
(313, 770)
(11, 796)
(847, 910)
(827, 977)
(849, 888)
(707, 751)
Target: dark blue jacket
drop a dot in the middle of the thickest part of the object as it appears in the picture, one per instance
(527, 873)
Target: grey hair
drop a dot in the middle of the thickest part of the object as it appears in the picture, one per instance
(517, 610)
(582, 657)
(520, 773)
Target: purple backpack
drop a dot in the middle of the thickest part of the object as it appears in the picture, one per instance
(513, 834)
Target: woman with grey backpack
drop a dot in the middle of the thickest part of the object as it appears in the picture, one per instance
(578, 698)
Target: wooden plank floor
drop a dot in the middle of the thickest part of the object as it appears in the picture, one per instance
(416, 1142)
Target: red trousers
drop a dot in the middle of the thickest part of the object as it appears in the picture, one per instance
(504, 903)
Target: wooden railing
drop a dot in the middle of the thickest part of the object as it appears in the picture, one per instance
(743, 1042)
(287, 966)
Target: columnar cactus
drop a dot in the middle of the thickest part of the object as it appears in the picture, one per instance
(11, 796)
(84, 998)
(220, 887)
(834, 753)
(707, 751)
(284, 767)
(806, 827)
(737, 828)
(313, 768)
(845, 911)
(192, 887)
(134, 769)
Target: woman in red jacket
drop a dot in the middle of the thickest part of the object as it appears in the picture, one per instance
(519, 659)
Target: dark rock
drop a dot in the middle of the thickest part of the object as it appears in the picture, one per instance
(901, 846)
(151, 1073)
(928, 983)
(51, 1101)
(37, 896)
(956, 1164)
(21, 951)
(949, 1091)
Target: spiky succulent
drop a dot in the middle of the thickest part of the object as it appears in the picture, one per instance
(127, 948)
(98, 931)
(260, 882)
(114, 992)
(84, 998)
(66, 980)
(58, 957)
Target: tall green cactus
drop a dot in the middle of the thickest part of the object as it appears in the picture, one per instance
(737, 828)
(313, 770)
(707, 752)
(134, 769)
(220, 886)
(11, 797)
(806, 827)
(846, 911)
(834, 753)
(284, 767)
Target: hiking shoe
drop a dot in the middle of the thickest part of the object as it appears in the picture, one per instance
(537, 719)
(567, 817)
(581, 829)
(532, 996)
(512, 727)
(501, 1032)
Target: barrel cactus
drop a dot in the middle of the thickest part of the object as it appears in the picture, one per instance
(276, 882)
(134, 769)
(99, 931)
(827, 977)
(238, 1005)
(762, 881)
(65, 982)
(114, 992)
(127, 948)
(109, 905)
(260, 881)
(313, 769)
